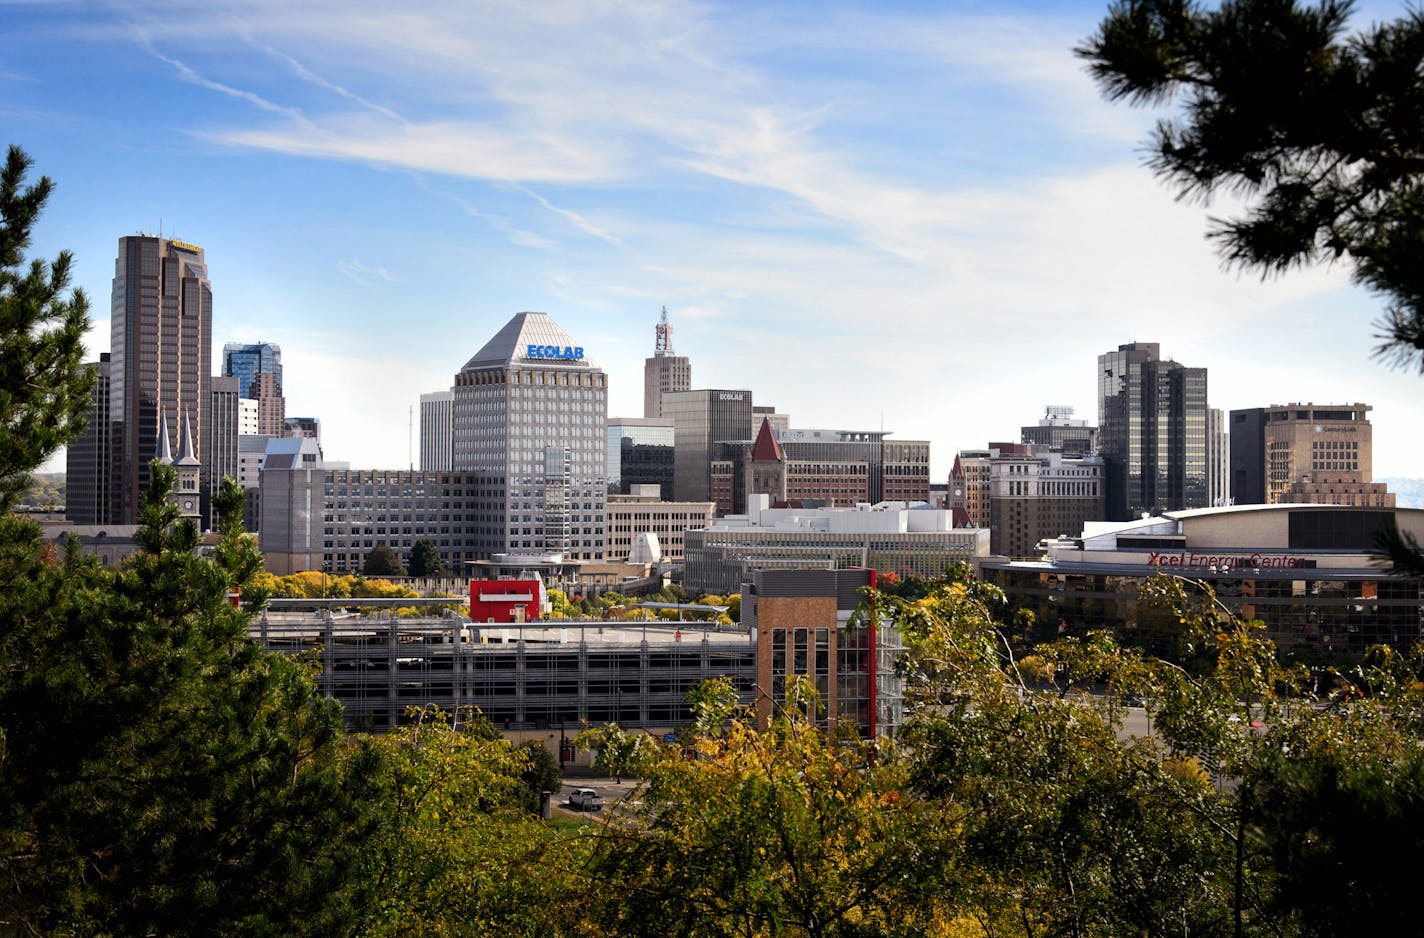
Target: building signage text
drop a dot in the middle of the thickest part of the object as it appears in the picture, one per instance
(731, 396)
(1225, 561)
(572, 353)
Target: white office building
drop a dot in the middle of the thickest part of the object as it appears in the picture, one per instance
(530, 417)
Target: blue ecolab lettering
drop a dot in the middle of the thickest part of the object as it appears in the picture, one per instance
(568, 352)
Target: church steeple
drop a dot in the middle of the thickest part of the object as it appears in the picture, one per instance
(163, 452)
(186, 487)
(765, 472)
(186, 455)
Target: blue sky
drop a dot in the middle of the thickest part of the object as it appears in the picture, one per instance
(910, 215)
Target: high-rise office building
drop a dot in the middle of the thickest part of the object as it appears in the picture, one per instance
(664, 372)
(1024, 493)
(701, 419)
(1248, 456)
(530, 413)
(87, 459)
(266, 389)
(1305, 454)
(1153, 429)
(245, 361)
(1041, 495)
(437, 423)
(640, 452)
(1218, 461)
(161, 318)
(219, 452)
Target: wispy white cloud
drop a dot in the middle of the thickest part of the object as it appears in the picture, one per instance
(307, 75)
(362, 274)
(575, 219)
(191, 76)
(932, 202)
(516, 235)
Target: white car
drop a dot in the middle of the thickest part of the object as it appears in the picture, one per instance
(585, 799)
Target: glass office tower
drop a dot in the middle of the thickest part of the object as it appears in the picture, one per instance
(1152, 419)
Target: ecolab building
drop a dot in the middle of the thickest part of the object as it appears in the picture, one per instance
(1309, 573)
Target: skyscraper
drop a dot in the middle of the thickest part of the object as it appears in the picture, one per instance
(1152, 417)
(1218, 460)
(161, 319)
(437, 415)
(1305, 454)
(530, 413)
(219, 453)
(701, 419)
(87, 459)
(664, 372)
(243, 361)
(266, 389)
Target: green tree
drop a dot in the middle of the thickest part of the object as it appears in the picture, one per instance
(424, 559)
(43, 390)
(1318, 130)
(541, 773)
(559, 605)
(381, 560)
(458, 853)
(714, 702)
(202, 786)
(617, 752)
(777, 833)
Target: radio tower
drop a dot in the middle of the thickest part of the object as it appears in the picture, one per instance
(663, 345)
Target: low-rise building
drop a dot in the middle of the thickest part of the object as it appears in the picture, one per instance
(644, 512)
(802, 623)
(892, 536)
(1308, 572)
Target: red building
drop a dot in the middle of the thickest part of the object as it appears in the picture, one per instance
(506, 600)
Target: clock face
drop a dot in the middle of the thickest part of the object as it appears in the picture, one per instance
(188, 506)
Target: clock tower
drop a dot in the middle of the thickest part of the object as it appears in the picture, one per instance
(186, 490)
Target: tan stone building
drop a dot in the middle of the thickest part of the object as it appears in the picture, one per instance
(1321, 455)
(644, 512)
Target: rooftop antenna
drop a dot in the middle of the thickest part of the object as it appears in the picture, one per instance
(410, 436)
(663, 331)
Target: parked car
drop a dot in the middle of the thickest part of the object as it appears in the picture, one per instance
(585, 799)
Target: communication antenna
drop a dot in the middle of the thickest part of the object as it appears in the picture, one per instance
(663, 330)
(410, 436)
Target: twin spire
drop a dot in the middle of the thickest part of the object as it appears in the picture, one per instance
(187, 456)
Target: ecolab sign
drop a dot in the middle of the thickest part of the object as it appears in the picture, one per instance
(571, 353)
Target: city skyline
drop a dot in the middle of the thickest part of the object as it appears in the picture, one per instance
(841, 210)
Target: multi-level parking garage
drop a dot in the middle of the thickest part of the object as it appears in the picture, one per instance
(559, 673)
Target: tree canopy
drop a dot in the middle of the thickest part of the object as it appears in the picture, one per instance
(1322, 130)
(1319, 129)
(424, 559)
(381, 560)
(43, 390)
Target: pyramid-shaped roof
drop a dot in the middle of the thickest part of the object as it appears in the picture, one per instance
(766, 449)
(528, 332)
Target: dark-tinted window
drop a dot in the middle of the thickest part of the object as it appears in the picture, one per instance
(1338, 530)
